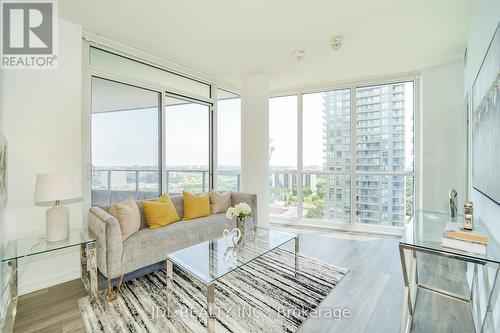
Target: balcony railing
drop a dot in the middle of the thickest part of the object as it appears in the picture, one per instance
(111, 185)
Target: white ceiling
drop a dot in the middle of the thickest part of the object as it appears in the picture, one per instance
(230, 38)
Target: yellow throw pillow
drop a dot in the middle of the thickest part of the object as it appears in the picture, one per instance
(196, 205)
(160, 213)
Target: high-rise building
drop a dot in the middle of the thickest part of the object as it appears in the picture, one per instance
(337, 147)
(380, 147)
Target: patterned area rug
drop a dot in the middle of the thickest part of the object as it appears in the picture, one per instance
(263, 296)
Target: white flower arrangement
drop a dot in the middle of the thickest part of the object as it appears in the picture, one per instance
(241, 210)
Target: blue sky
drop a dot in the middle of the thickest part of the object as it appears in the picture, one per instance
(130, 138)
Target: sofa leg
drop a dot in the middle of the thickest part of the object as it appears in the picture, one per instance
(113, 295)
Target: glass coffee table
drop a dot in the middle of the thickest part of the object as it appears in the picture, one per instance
(211, 260)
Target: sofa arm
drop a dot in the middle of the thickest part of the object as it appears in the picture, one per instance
(250, 199)
(107, 232)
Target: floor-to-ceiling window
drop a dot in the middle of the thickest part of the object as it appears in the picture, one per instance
(326, 137)
(228, 141)
(355, 162)
(126, 129)
(283, 194)
(153, 131)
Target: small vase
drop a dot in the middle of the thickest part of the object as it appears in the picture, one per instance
(240, 224)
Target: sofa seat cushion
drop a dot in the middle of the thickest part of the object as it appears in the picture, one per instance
(150, 246)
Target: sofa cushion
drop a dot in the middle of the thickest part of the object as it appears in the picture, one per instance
(128, 216)
(178, 202)
(150, 246)
(219, 201)
(160, 213)
(195, 206)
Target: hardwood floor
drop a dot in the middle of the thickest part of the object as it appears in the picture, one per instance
(51, 310)
(373, 288)
(372, 291)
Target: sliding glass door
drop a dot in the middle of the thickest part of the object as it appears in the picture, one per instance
(187, 145)
(126, 132)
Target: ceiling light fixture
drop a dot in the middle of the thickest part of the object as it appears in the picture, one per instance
(298, 55)
(336, 42)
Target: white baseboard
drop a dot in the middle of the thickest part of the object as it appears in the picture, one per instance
(345, 227)
(48, 281)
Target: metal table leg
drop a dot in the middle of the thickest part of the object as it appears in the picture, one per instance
(297, 248)
(92, 254)
(211, 317)
(88, 268)
(409, 279)
(13, 297)
(492, 298)
(210, 308)
(170, 288)
(413, 283)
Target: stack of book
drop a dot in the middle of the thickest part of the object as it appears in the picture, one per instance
(456, 237)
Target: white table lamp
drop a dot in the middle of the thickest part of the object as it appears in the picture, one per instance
(57, 187)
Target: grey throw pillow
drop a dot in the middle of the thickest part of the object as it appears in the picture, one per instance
(128, 216)
(219, 202)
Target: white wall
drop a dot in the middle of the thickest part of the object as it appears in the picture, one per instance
(255, 142)
(3, 268)
(484, 22)
(485, 19)
(2, 231)
(1, 100)
(443, 136)
(42, 122)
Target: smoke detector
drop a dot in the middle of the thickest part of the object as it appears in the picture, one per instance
(336, 42)
(298, 55)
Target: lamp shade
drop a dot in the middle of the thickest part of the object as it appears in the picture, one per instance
(56, 187)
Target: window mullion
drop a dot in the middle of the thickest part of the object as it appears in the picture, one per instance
(162, 145)
(300, 193)
(353, 155)
(213, 163)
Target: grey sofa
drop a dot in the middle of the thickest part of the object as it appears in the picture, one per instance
(147, 247)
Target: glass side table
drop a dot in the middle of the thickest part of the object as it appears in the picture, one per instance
(423, 234)
(31, 246)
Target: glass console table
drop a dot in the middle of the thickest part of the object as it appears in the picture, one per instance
(423, 234)
(31, 246)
